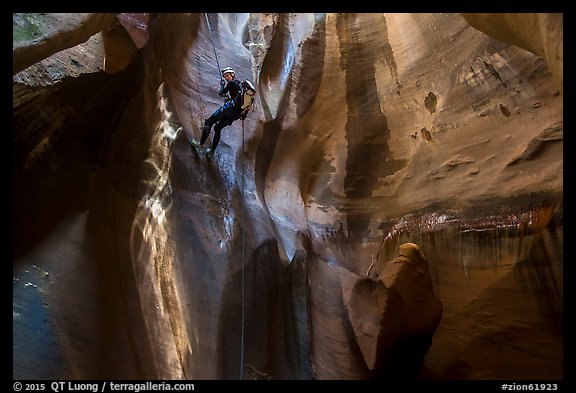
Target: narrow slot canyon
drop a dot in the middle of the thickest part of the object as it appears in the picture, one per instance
(390, 209)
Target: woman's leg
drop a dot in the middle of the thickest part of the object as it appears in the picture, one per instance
(217, 131)
(216, 116)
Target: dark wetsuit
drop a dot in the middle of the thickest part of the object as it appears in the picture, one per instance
(226, 114)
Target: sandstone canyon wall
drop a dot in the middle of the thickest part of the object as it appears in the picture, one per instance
(392, 208)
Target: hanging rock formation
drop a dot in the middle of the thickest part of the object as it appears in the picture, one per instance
(392, 208)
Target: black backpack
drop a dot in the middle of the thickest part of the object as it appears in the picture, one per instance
(248, 98)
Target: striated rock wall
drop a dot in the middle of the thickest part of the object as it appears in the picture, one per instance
(391, 209)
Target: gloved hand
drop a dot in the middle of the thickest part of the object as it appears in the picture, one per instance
(222, 82)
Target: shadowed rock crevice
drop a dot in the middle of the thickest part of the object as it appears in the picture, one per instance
(265, 307)
(313, 52)
(367, 130)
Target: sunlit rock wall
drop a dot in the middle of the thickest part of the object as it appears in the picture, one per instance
(275, 259)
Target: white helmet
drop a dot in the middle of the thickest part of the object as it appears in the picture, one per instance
(227, 70)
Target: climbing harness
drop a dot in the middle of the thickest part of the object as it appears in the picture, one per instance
(243, 306)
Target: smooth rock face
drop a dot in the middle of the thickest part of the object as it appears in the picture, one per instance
(395, 316)
(392, 208)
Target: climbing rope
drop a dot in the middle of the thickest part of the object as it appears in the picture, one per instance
(213, 47)
(243, 306)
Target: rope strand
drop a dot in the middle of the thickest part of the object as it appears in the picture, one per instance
(243, 260)
(213, 47)
(243, 306)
